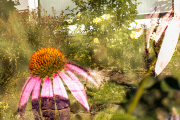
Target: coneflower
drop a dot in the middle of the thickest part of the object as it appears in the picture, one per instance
(48, 64)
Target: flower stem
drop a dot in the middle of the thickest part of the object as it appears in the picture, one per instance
(140, 89)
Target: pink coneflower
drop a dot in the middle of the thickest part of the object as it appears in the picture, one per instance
(166, 38)
(168, 45)
(48, 64)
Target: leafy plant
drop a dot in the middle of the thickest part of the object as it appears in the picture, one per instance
(106, 24)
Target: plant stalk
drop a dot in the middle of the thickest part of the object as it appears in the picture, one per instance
(140, 89)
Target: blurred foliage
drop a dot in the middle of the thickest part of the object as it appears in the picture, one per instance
(159, 99)
(114, 93)
(105, 38)
(6, 7)
(3, 109)
(157, 102)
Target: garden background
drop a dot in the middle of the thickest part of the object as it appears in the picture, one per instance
(104, 47)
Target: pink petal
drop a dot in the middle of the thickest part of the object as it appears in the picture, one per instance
(24, 86)
(47, 88)
(58, 87)
(151, 29)
(82, 73)
(25, 96)
(35, 93)
(79, 66)
(168, 45)
(76, 80)
(61, 98)
(47, 101)
(76, 91)
(162, 26)
(35, 99)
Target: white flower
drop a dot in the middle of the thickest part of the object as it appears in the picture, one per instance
(153, 36)
(70, 21)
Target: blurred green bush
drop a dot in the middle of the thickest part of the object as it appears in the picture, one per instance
(104, 41)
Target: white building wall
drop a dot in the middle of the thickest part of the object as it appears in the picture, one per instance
(47, 5)
(23, 5)
(147, 6)
(58, 5)
(33, 4)
(177, 6)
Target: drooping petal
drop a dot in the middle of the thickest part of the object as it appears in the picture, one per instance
(24, 86)
(61, 98)
(25, 96)
(47, 101)
(76, 80)
(82, 73)
(164, 22)
(35, 93)
(168, 45)
(77, 65)
(151, 29)
(35, 99)
(76, 91)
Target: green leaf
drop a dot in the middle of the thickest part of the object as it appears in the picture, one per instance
(172, 82)
(123, 117)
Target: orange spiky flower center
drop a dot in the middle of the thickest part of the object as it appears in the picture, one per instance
(46, 61)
